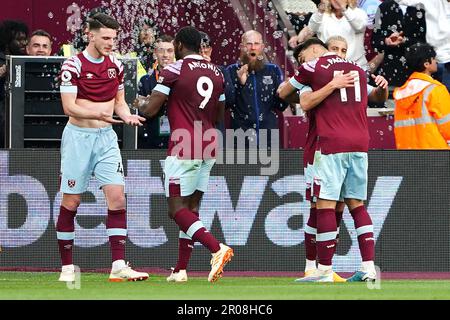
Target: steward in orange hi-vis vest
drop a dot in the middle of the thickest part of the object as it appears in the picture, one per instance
(422, 114)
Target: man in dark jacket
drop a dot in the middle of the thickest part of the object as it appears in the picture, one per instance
(250, 90)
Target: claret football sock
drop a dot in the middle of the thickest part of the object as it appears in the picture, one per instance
(364, 231)
(190, 224)
(310, 235)
(185, 247)
(116, 228)
(326, 235)
(65, 233)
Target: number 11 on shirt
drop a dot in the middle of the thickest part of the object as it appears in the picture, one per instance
(356, 86)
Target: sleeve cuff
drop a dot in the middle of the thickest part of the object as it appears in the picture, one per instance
(162, 88)
(305, 89)
(296, 84)
(68, 89)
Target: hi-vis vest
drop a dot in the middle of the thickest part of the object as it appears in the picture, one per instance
(422, 114)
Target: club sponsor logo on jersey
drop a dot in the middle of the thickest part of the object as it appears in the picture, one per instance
(267, 80)
(111, 73)
(89, 75)
(71, 183)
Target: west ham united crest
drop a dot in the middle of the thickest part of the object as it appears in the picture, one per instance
(111, 73)
(71, 183)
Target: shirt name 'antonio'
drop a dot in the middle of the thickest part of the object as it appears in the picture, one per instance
(213, 68)
(334, 60)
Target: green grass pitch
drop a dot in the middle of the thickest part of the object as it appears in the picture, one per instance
(44, 286)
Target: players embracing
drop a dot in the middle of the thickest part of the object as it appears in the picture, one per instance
(341, 146)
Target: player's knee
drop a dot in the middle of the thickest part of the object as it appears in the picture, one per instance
(71, 203)
(353, 203)
(116, 202)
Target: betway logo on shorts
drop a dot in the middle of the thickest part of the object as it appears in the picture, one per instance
(236, 217)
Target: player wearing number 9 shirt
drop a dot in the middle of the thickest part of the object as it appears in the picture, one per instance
(194, 89)
(340, 159)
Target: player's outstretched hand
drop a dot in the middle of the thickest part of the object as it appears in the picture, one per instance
(107, 117)
(133, 120)
(346, 80)
(380, 81)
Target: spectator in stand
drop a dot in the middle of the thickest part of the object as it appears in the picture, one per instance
(345, 19)
(370, 7)
(13, 41)
(154, 134)
(437, 18)
(147, 35)
(205, 46)
(299, 13)
(396, 28)
(374, 58)
(206, 52)
(422, 104)
(251, 90)
(40, 43)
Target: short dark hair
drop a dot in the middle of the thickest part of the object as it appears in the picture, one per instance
(8, 31)
(164, 38)
(102, 20)
(206, 40)
(417, 54)
(305, 45)
(42, 33)
(190, 38)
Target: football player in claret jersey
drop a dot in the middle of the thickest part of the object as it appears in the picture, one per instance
(310, 99)
(194, 89)
(91, 91)
(331, 173)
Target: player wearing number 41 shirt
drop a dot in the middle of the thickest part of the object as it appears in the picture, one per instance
(91, 91)
(340, 160)
(194, 90)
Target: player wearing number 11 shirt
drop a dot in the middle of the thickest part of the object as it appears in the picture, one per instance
(340, 159)
(194, 90)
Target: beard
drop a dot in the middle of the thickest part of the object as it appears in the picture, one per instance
(253, 64)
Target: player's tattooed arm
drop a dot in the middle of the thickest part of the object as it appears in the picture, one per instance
(150, 105)
(309, 100)
(285, 90)
(292, 97)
